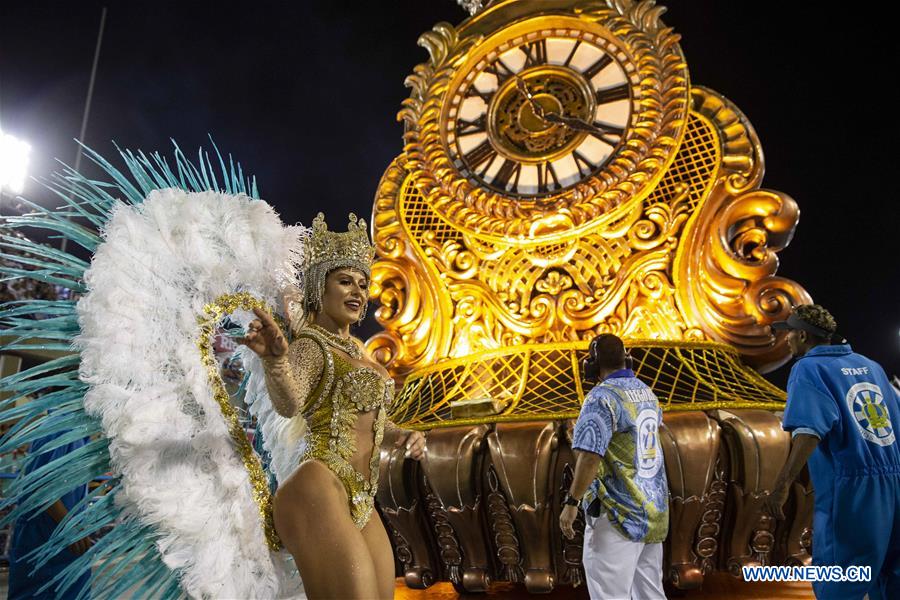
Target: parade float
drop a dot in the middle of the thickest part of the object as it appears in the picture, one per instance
(561, 176)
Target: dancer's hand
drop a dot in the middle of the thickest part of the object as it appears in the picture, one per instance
(264, 336)
(567, 520)
(415, 444)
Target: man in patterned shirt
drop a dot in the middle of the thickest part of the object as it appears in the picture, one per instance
(619, 479)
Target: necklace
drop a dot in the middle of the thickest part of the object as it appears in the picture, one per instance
(344, 344)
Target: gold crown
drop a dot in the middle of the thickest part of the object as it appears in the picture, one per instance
(352, 245)
(329, 250)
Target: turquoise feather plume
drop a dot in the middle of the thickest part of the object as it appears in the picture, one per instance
(124, 560)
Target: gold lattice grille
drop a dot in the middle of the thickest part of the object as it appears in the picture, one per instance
(420, 219)
(695, 164)
(543, 382)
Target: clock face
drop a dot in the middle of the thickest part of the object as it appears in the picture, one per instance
(574, 122)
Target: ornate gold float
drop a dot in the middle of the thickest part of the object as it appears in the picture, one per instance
(560, 178)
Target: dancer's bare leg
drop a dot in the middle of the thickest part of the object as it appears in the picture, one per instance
(382, 555)
(312, 519)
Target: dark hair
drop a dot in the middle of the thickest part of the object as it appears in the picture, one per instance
(605, 352)
(817, 316)
(608, 351)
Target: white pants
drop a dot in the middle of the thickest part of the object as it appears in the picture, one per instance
(616, 567)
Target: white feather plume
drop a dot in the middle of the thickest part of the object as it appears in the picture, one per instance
(161, 262)
(283, 438)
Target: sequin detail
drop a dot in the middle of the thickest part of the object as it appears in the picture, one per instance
(212, 315)
(331, 393)
(299, 378)
(331, 437)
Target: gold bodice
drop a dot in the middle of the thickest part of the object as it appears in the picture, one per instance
(331, 434)
(331, 392)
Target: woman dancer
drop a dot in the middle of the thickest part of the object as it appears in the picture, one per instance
(181, 247)
(324, 511)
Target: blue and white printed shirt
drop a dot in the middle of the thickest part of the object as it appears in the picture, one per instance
(620, 422)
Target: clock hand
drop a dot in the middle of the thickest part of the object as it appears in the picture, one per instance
(572, 123)
(535, 107)
(577, 124)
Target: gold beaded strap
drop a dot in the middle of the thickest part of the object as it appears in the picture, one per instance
(213, 314)
(346, 345)
(326, 381)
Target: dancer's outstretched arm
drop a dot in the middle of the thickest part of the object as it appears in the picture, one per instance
(292, 371)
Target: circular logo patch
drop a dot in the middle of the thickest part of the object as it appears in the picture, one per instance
(649, 454)
(866, 403)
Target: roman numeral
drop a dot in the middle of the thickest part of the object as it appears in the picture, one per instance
(479, 154)
(611, 135)
(486, 96)
(547, 179)
(499, 70)
(508, 170)
(619, 92)
(535, 53)
(572, 53)
(465, 127)
(585, 167)
(598, 66)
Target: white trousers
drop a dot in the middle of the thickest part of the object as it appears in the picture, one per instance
(617, 568)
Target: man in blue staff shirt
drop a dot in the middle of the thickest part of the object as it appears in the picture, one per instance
(30, 532)
(843, 415)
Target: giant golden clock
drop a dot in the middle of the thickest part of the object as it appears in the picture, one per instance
(500, 130)
(561, 178)
(548, 124)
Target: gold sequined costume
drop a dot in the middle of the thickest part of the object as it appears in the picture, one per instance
(317, 379)
(319, 383)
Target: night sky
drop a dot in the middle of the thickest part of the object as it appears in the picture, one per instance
(305, 95)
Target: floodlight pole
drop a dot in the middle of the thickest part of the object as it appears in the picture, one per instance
(87, 104)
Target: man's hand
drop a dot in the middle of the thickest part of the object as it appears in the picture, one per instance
(802, 445)
(567, 520)
(81, 546)
(415, 444)
(775, 501)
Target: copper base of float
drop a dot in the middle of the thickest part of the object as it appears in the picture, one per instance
(482, 507)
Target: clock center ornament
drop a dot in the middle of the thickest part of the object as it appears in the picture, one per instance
(521, 128)
(561, 177)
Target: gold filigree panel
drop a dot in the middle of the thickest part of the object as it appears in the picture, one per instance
(727, 258)
(409, 289)
(617, 279)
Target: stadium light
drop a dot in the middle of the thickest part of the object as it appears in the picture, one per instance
(13, 163)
